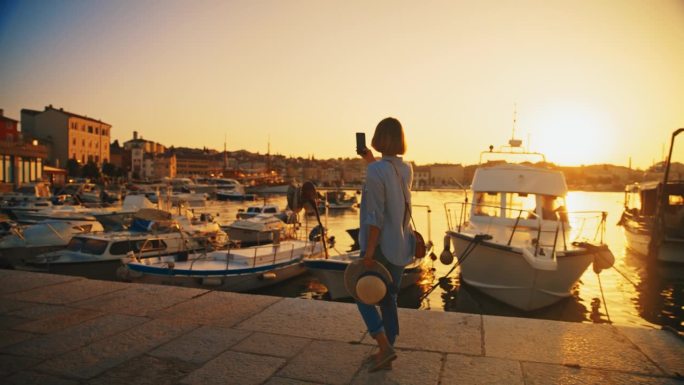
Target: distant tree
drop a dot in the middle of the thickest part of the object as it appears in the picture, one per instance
(91, 171)
(73, 168)
(109, 169)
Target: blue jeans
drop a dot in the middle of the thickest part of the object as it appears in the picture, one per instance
(389, 321)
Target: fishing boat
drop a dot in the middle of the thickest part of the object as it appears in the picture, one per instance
(240, 269)
(515, 240)
(26, 241)
(330, 272)
(653, 217)
(98, 255)
(340, 200)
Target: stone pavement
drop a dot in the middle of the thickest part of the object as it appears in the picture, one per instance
(70, 330)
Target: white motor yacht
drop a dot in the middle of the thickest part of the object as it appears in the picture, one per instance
(515, 240)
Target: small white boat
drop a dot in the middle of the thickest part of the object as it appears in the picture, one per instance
(232, 190)
(330, 272)
(42, 237)
(232, 270)
(258, 230)
(253, 211)
(98, 255)
(515, 240)
(653, 218)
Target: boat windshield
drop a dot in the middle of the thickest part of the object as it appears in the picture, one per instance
(88, 246)
(518, 205)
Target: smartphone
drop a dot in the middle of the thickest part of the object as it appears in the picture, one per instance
(361, 143)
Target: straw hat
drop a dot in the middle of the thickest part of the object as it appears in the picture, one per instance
(367, 285)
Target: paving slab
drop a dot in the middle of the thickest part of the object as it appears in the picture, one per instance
(462, 369)
(410, 367)
(145, 370)
(11, 364)
(66, 318)
(549, 374)
(272, 345)
(288, 381)
(37, 311)
(11, 322)
(12, 337)
(309, 319)
(63, 341)
(217, 308)
(67, 291)
(10, 305)
(12, 281)
(140, 300)
(24, 378)
(327, 362)
(235, 368)
(438, 331)
(662, 347)
(588, 345)
(110, 352)
(201, 344)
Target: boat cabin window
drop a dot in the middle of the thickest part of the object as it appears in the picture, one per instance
(519, 204)
(487, 204)
(75, 244)
(123, 247)
(270, 210)
(94, 246)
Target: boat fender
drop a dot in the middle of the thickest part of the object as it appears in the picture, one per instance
(603, 259)
(446, 257)
(268, 276)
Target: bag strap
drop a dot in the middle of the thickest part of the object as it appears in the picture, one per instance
(407, 209)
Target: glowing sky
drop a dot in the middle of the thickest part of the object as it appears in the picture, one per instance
(595, 81)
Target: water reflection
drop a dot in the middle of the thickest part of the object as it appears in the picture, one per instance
(637, 292)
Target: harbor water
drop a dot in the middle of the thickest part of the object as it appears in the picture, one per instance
(636, 292)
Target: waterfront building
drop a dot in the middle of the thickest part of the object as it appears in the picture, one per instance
(421, 176)
(8, 127)
(446, 174)
(68, 135)
(159, 166)
(20, 162)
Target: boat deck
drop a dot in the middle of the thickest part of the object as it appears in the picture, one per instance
(71, 330)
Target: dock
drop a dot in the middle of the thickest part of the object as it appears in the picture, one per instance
(68, 330)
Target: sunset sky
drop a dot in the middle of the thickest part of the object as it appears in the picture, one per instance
(595, 81)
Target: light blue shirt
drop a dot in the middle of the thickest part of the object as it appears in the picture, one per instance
(383, 205)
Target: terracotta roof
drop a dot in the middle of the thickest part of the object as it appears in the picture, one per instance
(10, 119)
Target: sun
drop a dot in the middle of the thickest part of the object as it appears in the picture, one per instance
(572, 135)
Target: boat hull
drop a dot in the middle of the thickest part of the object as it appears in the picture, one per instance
(502, 272)
(13, 256)
(101, 270)
(237, 281)
(330, 272)
(670, 250)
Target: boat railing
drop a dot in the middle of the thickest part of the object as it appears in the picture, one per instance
(572, 227)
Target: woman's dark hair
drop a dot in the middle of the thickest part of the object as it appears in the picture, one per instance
(389, 137)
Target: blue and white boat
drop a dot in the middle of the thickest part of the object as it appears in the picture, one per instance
(231, 270)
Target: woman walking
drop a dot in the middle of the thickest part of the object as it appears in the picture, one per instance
(385, 236)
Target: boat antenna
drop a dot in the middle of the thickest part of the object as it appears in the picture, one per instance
(515, 142)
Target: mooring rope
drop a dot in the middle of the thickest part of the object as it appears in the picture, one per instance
(459, 261)
(603, 297)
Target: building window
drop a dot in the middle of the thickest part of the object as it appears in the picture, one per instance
(73, 141)
(83, 158)
(97, 130)
(90, 129)
(83, 142)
